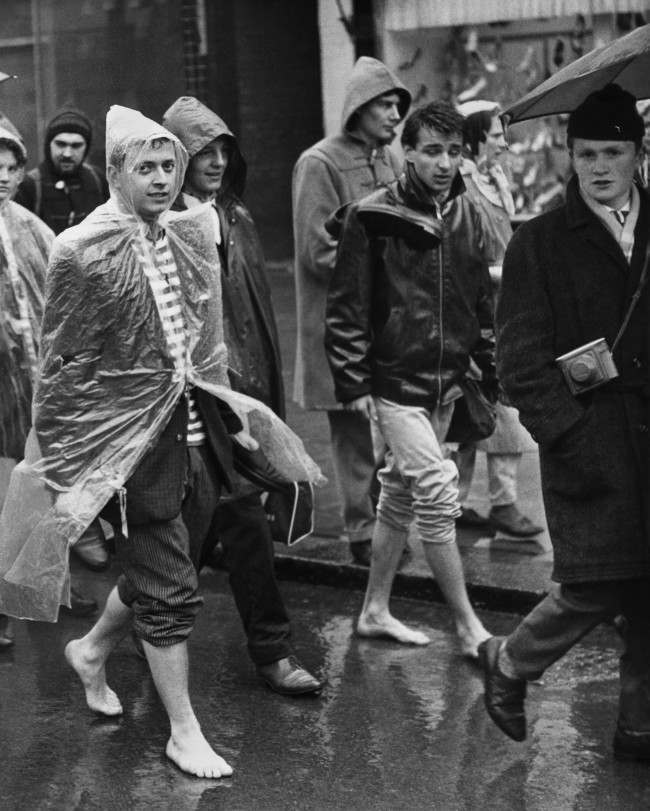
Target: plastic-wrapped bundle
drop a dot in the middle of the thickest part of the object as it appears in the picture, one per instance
(108, 384)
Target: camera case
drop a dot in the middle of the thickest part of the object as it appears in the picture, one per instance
(588, 366)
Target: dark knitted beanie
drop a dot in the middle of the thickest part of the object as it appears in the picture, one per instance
(69, 120)
(609, 114)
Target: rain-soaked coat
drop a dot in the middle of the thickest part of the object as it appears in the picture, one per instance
(24, 247)
(339, 169)
(108, 386)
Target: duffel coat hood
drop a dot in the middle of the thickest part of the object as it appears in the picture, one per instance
(371, 78)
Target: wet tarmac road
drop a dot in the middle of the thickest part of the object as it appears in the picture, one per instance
(396, 728)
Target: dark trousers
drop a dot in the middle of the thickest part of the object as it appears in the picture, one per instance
(569, 612)
(242, 528)
(159, 577)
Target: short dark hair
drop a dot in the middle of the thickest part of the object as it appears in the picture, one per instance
(475, 129)
(437, 115)
(12, 146)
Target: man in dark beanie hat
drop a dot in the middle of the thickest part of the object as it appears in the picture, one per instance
(63, 189)
(573, 355)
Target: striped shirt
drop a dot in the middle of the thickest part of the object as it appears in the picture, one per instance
(165, 285)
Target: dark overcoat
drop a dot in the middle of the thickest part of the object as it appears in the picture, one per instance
(566, 282)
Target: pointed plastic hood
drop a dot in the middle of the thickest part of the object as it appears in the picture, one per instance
(128, 135)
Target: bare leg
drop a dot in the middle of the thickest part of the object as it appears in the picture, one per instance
(375, 618)
(186, 747)
(447, 567)
(88, 655)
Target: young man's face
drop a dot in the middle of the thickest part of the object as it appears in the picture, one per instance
(10, 174)
(605, 169)
(436, 158)
(207, 168)
(149, 186)
(378, 118)
(67, 150)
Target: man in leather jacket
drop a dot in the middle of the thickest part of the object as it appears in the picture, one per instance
(409, 308)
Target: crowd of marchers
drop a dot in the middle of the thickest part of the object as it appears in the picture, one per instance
(140, 364)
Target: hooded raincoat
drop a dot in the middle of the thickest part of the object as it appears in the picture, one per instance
(333, 172)
(249, 322)
(108, 385)
(25, 244)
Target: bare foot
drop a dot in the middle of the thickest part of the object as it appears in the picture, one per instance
(470, 639)
(99, 696)
(387, 625)
(194, 755)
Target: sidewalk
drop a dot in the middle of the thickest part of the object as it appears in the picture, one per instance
(502, 574)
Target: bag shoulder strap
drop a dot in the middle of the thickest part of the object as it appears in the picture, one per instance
(635, 297)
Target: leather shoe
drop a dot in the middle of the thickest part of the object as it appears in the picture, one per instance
(631, 745)
(508, 519)
(289, 678)
(361, 552)
(6, 632)
(80, 606)
(504, 697)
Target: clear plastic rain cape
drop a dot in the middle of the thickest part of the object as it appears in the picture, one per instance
(107, 383)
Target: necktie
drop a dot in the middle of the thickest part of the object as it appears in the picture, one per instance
(621, 216)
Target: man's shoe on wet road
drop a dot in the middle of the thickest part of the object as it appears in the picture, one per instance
(80, 605)
(631, 745)
(504, 697)
(508, 519)
(289, 678)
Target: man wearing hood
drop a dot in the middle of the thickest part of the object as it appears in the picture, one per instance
(339, 170)
(25, 244)
(63, 188)
(216, 174)
(409, 310)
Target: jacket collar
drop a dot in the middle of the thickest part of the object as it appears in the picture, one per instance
(417, 196)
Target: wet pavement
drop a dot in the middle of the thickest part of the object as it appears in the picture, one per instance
(395, 728)
(502, 573)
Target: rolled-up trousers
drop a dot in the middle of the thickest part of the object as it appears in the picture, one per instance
(159, 577)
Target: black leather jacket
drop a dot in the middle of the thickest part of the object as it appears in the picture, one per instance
(410, 300)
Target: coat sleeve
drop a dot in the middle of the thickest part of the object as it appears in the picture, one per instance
(347, 320)
(315, 198)
(526, 354)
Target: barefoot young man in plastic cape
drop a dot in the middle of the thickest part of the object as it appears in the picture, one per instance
(132, 412)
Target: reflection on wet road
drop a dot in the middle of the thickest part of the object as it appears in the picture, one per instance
(395, 728)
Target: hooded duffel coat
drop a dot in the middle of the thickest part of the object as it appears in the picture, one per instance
(566, 282)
